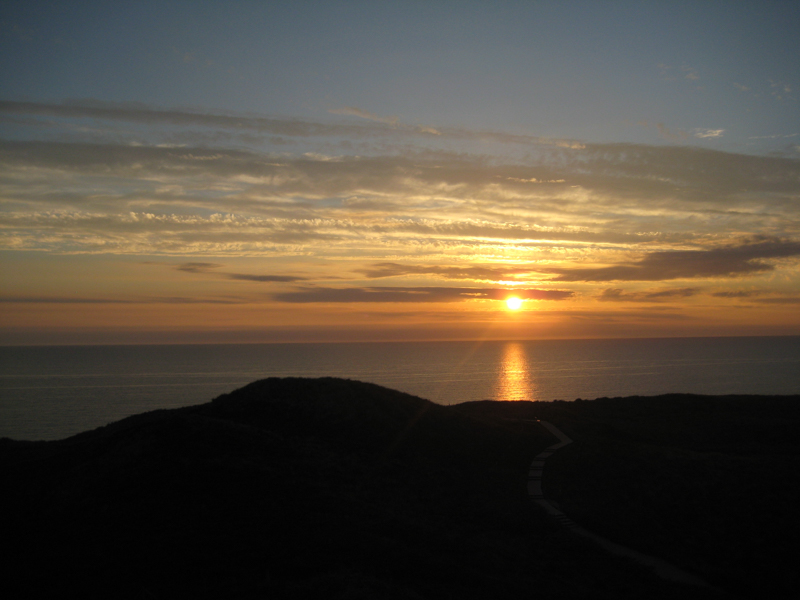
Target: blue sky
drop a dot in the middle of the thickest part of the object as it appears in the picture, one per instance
(592, 71)
(322, 168)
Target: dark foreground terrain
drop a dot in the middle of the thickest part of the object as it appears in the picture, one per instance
(293, 488)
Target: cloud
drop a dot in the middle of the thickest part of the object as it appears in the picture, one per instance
(136, 112)
(690, 73)
(357, 112)
(708, 133)
(120, 198)
(264, 278)
(204, 200)
(61, 300)
(785, 300)
(203, 267)
(414, 294)
(571, 213)
(619, 295)
(628, 169)
(534, 180)
(698, 173)
(729, 261)
(756, 296)
(737, 294)
(772, 137)
(197, 267)
(388, 269)
(671, 135)
(134, 300)
(780, 90)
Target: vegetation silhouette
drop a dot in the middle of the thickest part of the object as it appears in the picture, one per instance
(708, 483)
(291, 488)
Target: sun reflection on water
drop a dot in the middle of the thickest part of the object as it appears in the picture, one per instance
(515, 381)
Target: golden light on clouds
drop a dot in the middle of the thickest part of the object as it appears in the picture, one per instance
(101, 235)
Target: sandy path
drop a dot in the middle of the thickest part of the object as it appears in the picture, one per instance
(662, 568)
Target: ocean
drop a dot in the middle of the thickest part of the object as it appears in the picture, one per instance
(52, 392)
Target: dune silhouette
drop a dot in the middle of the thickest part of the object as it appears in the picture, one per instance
(309, 487)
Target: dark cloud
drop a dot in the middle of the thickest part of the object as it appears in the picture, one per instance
(737, 294)
(148, 300)
(662, 176)
(61, 300)
(125, 159)
(264, 278)
(414, 294)
(729, 261)
(686, 171)
(622, 169)
(674, 293)
(786, 300)
(619, 295)
(559, 204)
(137, 112)
(197, 267)
(753, 295)
(203, 267)
(140, 113)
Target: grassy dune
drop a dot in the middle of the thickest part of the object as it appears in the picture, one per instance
(710, 484)
(291, 488)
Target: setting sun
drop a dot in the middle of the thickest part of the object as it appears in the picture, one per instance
(513, 303)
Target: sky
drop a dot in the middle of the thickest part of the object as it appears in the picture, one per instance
(379, 171)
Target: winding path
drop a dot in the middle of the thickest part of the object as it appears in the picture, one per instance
(662, 568)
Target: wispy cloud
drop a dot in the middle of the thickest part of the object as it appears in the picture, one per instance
(620, 295)
(414, 294)
(554, 212)
(197, 267)
(206, 268)
(671, 135)
(690, 73)
(780, 90)
(762, 296)
(135, 112)
(280, 128)
(779, 300)
(133, 300)
(357, 112)
(773, 137)
(189, 200)
(475, 273)
(737, 294)
(393, 121)
(708, 133)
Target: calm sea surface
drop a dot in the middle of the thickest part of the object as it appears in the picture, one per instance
(57, 391)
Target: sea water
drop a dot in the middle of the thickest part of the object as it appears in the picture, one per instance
(56, 391)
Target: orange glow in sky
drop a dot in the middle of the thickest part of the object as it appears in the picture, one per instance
(173, 187)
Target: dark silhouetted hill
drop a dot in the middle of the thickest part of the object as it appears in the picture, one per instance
(325, 488)
(709, 483)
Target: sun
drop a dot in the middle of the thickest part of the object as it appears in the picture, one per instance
(513, 303)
